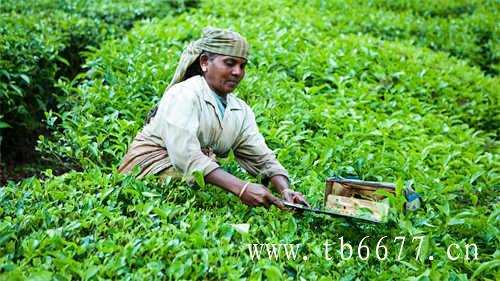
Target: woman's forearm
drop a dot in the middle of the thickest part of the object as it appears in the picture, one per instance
(225, 180)
(281, 182)
(233, 184)
(252, 194)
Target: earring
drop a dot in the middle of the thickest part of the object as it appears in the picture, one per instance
(204, 69)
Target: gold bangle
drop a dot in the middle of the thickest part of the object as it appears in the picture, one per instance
(243, 189)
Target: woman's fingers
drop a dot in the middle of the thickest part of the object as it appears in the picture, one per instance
(265, 202)
(298, 198)
(288, 195)
(295, 197)
(269, 199)
(276, 202)
(258, 195)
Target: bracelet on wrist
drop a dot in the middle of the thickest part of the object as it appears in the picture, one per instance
(243, 189)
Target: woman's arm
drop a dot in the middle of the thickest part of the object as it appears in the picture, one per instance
(254, 195)
(254, 156)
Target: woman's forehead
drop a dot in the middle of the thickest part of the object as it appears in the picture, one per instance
(237, 59)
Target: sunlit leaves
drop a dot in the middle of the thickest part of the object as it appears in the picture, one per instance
(328, 103)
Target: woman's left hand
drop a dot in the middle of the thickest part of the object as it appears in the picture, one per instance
(294, 197)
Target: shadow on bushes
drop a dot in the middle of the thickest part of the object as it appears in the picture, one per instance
(42, 42)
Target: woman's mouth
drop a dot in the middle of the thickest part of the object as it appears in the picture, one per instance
(232, 83)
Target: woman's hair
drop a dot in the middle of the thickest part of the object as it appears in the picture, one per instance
(195, 68)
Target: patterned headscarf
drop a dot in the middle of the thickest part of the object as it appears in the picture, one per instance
(214, 40)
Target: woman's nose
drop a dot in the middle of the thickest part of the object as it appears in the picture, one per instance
(237, 71)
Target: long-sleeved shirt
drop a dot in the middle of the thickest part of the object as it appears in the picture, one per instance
(189, 120)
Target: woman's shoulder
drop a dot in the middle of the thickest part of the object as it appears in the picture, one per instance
(194, 84)
(189, 88)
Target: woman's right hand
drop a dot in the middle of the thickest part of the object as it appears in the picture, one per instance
(254, 194)
(258, 195)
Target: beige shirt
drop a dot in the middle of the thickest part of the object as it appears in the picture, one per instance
(188, 120)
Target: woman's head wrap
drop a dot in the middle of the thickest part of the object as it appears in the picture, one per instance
(214, 40)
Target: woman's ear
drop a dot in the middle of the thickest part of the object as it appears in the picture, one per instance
(203, 62)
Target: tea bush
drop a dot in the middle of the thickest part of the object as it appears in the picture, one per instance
(122, 75)
(120, 13)
(328, 103)
(41, 42)
(32, 49)
(441, 8)
(466, 29)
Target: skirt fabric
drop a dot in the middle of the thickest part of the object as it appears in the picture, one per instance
(152, 158)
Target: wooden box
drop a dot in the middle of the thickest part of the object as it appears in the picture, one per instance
(356, 198)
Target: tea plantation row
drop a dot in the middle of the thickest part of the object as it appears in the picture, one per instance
(328, 100)
(42, 42)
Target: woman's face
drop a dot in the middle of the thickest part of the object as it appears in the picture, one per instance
(223, 73)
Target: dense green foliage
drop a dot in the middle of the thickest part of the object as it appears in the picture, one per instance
(32, 49)
(328, 100)
(465, 29)
(42, 41)
(116, 12)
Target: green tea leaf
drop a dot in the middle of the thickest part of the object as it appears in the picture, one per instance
(242, 228)
(273, 273)
(199, 178)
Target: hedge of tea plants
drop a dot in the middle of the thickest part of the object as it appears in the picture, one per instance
(329, 103)
(42, 42)
(466, 29)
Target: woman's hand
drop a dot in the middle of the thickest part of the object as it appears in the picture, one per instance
(258, 195)
(254, 194)
(294, 197)
(281, 183)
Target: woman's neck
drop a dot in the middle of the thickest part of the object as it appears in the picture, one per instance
(223, 96)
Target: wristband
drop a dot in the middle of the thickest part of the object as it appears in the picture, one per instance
(243, 189)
